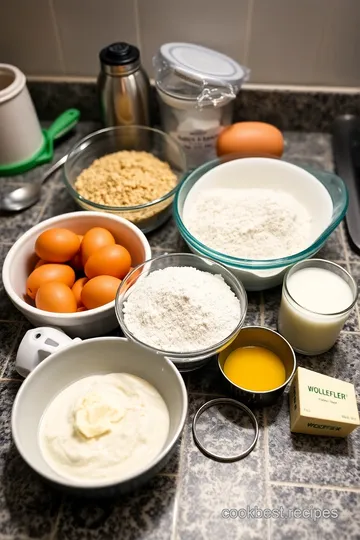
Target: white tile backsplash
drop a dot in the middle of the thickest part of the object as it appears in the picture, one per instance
(28, 37)
(338, 59)
(220, 25)
(304, 42)
(86, 26)
(285, 36)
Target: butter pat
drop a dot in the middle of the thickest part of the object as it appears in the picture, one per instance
(322, 405)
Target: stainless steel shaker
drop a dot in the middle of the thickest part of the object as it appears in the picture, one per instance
(123, 87)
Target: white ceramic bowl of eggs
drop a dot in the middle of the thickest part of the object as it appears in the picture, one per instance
(21, 259)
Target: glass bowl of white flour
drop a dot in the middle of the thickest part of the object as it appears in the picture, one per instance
(182, 306)
(257, 215)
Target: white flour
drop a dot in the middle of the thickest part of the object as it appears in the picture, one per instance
(181, 309)
(249, 223)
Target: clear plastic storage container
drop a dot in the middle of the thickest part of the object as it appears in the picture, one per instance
(196, 87)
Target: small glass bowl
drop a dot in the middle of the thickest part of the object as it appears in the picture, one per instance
(146, 216)
(187, 361)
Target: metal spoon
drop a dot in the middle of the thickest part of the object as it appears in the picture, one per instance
(28, 195)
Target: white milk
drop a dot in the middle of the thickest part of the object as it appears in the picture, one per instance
(314, 307)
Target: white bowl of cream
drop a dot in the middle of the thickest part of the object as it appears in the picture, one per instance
(100, 417)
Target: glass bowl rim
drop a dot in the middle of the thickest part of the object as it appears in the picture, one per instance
(256, 264)
(105, 131)
(176, 356)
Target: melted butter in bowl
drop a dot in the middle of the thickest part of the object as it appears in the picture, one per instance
(257, 366)
(104, 427)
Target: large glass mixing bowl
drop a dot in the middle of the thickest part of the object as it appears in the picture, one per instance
(261, 274)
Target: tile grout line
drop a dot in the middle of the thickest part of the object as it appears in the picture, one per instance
(266, 469)
(179, 484)
(12, 349)
(57, 35)
(315, 486)
(266, 431)
(262, 309)
(342, 235)
(44, 206)
(52, 535)
(248, 28)
(205, 394)
(138, 25)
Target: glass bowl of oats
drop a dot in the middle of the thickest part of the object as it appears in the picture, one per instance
(131, 171)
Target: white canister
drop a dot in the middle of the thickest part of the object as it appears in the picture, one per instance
(20, 131)
(317, 298)
(196, 88)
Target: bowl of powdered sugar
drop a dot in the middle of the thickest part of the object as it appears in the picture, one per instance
(258, 216)
(185, 307)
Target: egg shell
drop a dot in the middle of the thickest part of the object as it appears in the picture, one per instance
(55, 297)
(57, 245)
(131, 280)
(76, 262)
(77, 288)
(110, 261)
(40, 263)
(49, 272)
(95, 239)
(99, 291)
(252, 139)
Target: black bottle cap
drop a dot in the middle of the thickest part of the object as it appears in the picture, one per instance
(119, 54)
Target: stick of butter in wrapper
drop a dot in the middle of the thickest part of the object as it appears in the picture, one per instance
(322, 405)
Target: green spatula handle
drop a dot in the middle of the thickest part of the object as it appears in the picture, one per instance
(63, 123)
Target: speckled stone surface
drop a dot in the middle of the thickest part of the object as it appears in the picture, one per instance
(192, 497)
(289, 110)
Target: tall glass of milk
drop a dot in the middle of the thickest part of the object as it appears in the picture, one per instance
(317, 298)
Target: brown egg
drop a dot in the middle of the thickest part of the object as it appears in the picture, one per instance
(108, 261)
(49, 272)
(131, 280)
(57, 245)
(251, 138)
(40, 263)
(76, 262)
(77, 288)
(99, 291)
(93, 240)
(56, 297)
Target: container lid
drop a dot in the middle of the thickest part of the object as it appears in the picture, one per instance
(189, 71)
(119, 54)
(232, 403)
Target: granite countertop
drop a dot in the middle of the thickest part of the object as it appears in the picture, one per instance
(186, 500)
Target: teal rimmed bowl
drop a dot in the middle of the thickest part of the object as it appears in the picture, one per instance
(324, 195)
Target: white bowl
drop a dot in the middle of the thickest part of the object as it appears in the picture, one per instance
(21, 259)
(91, 357)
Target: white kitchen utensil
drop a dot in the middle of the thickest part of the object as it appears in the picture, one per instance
(37, 344)
(20, 132)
